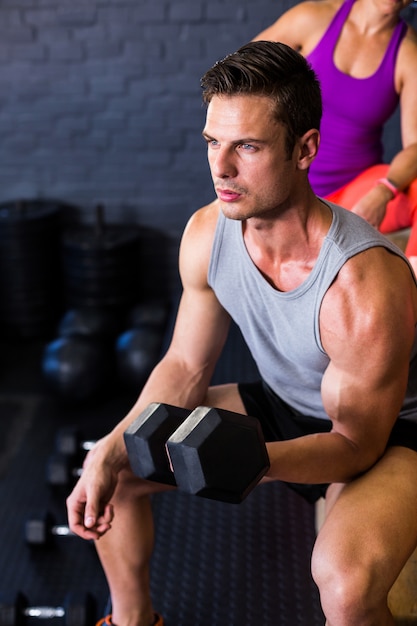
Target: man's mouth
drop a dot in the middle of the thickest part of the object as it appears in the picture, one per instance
(227, 195)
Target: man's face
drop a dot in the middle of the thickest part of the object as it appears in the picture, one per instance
(251, 172)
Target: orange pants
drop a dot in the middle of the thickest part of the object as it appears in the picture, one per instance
(401, 211)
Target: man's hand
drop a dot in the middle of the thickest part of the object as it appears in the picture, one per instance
(90, 512)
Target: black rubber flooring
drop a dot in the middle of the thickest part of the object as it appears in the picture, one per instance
(217, 564)
(214, 564)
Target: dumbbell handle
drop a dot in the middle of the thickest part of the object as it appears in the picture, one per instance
(61, 530)
(59, 470)
(44, 612)
(87, 445)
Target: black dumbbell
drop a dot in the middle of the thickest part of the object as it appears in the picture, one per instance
(41, 530)
(214, 453)
(69, 441)
(218, 454)
(145, 441)
(77, 610)
(61, 471)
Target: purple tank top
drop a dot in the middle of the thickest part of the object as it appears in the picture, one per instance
(354, 110)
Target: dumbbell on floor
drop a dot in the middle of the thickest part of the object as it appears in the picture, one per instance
(69, 441)
(60, 470)
(214, 453)
(77, 610)
(41, 530)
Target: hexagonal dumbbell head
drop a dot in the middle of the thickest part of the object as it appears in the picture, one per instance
(145, 441)
(218, 454)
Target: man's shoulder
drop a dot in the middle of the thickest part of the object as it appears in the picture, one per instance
(360, 276)
(199, 232)
(210, 210)
(354, 229)
(205, 218)
(369, 255)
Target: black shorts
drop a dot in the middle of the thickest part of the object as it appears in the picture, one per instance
(279, 422)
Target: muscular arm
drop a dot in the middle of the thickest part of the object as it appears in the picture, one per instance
(367, 328)
(183, 375)
(181, 378)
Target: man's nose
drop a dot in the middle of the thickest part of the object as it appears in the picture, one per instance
(223, 165)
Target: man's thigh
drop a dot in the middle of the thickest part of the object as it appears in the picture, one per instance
(372, 521)
(225, 397)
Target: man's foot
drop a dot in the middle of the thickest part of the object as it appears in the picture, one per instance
(106, 621)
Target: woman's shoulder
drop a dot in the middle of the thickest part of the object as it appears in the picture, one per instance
(306, 20)
(407, 54)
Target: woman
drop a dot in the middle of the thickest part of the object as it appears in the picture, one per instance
(365, 56)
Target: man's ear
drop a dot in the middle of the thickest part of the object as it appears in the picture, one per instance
(308, 145)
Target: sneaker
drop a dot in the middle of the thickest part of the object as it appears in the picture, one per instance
(106, 621)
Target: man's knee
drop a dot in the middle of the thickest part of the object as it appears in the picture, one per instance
(225, 397)
(350, 586)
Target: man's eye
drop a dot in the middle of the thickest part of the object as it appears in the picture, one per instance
(247, 146)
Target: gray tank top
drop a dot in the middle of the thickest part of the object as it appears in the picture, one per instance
(281, 329)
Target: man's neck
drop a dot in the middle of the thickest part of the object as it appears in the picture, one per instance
(286, 249)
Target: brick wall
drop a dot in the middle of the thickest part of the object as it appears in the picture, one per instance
(100, 100)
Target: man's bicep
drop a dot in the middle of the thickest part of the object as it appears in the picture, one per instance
(362, 408)
(200, 329)
(368, 333)
(202, 324)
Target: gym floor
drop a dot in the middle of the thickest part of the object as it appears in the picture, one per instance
(214, 564)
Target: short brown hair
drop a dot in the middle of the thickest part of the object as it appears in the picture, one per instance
(274, 70)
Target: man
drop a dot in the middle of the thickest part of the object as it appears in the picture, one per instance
(333, 342)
